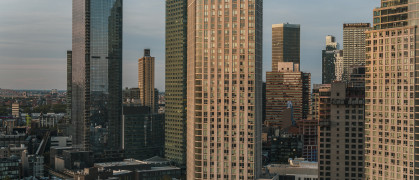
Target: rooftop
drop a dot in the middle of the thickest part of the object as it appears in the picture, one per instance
(160, 169)
(120, 172)
(126, 162)
(286, 25)
(157, 159)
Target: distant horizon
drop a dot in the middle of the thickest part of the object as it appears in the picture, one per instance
(34, 41)
(53, 88)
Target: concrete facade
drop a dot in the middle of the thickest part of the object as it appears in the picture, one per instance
(146, 80)
(391, 92)
(224, 100)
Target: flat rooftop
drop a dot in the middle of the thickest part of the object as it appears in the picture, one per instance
(126, 162)
(160, 169)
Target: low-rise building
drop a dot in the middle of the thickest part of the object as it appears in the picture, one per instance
(32, 165)
(167, 172)
(15, 110)
(130, 169)
(9, 168)
(61, 141)
(296, 169)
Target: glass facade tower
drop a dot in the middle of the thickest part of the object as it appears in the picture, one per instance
(175, 95)
(97, 75)
(285, 44)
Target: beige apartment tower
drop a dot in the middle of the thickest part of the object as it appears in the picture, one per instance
(285, 44)
(146, 80)
(341, 129)
(224, 98)
(392, 92)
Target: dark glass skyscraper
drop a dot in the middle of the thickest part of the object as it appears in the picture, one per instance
(175, 142)
(285, 44)
(97, 75)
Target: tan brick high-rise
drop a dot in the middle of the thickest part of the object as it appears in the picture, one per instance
(341, 129)
(224, 116)
(146, 80)
(392, 92)
(284, 86)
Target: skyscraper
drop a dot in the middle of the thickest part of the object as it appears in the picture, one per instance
(391, 92)
(328, 60)
(353, 46)
(97, 75)
(339, 65)
(284, 86)
(69, 84)
(224, 89)
(341, 131)
(175, 94)
(146, 80)
(285, 44)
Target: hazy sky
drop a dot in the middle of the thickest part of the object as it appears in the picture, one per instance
(35, 35)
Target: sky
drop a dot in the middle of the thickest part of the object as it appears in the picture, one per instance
(35, 35)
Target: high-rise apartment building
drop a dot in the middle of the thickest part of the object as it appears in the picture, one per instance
(146, 80)
(329, 59)
(285, 44)
(288, 85)
(391, 92)
(353, 46)
(224, 89)
(175, 93)
(341, 132)
(97, 75)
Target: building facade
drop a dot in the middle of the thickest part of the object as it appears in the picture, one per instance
(131, 96)
(341, 136)
(69, 85)
(329, 59)
(175, 92)
(97, 75)
(9, 168)
(224, 89)
(339, 65)
(353, 46)
(143, 132)
(15, 110)
(391, 93)
(308, 129)
(146, 80)
(288, 85)
(285, 44)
